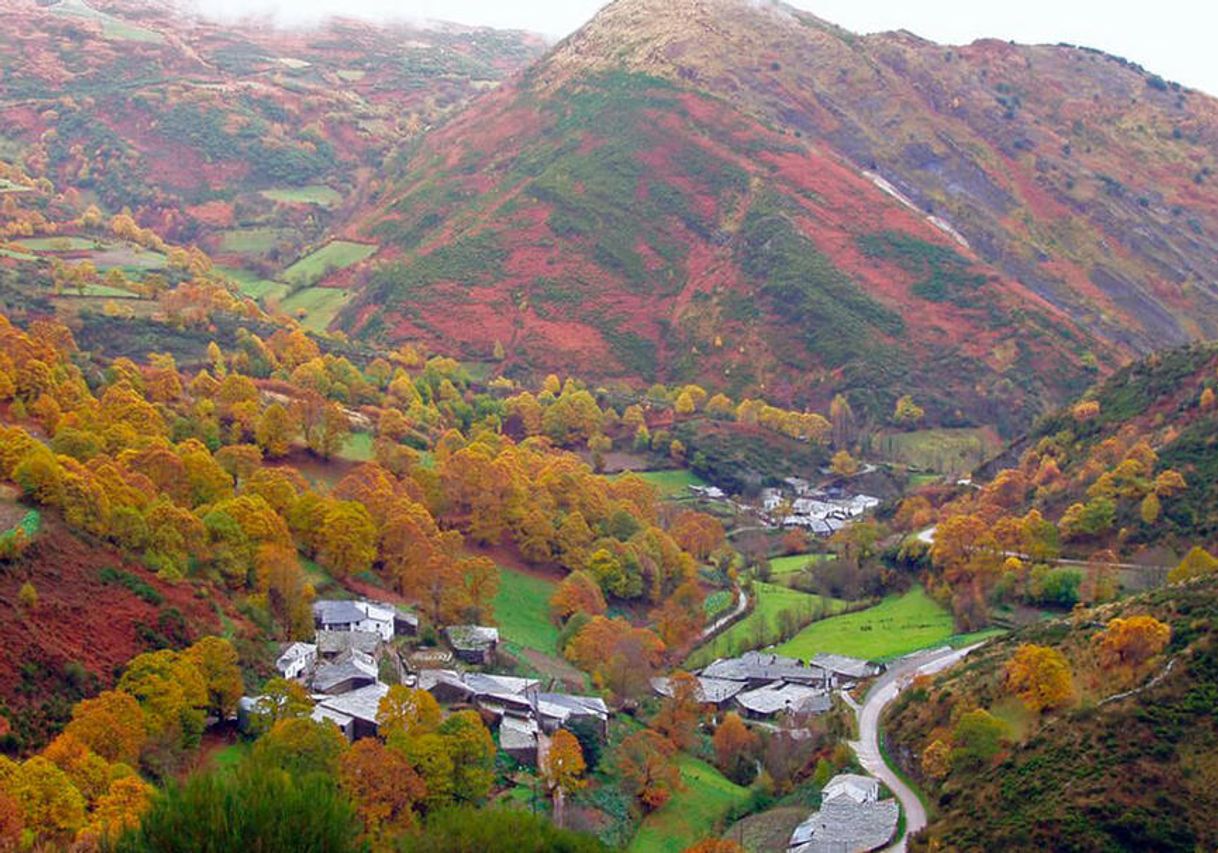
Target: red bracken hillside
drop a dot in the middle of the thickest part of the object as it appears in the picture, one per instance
(741, 194)
(203, 128)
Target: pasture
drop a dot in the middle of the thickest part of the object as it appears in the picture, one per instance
(671, 484)
(764, 623)
(318, 194)
(251, 241)
(692, 814)
(898, 625)
(522, 610)
(315, 307)
(336, 255)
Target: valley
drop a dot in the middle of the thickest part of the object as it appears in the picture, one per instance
(715, 431)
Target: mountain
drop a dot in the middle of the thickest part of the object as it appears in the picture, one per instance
(741, 194)
(1126, 762)
(244, 138)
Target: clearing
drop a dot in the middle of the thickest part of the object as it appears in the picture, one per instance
(948, 451)
(898, 625)
(318, 194)
(690, 815)
(357, 447)
(112, 27)
(670, 484)
(315, 307)
(252, 241)
(794, 564)
(337, 255)
(254, 287)
(763, 624)
(522, 610)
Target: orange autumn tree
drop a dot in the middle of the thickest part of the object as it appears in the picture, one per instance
(735, 746)
(564, 765)
(577, 593)
(111, 724)
(1040, 676)
(619, 656)
(1131, 642)
(384, 787)
(649, 775)
(681, 711)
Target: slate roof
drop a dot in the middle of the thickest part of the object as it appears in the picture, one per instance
(362, 704)
(762, 666)
(346, 666)
(779, 696)
(859, 788)
(710, 690)
(483, 683)
(560, 706)
(293, 652)
(321, 712)
(517, 733)
(844, 825)
(330, 612)
(471, 638)
(843, 665)
(337, 642)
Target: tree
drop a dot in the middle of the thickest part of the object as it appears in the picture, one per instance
(1133, 641)
(281, 699)
(681, 711)
(28, 597)
(301, 745)
(119, 809)
(408, 712)
(685, 403)
(564, 766)
(715, 845)
(735, 748)
(348, 539)
(111, 724)
(259, 807)
(383, 786)
(907, 413)
(52, 808)
(936, 759)
(977, 738)
(1197, 563)
(216, 660)
(275, 431)
(578, 592)
(843, 464)
(495, 831)
(472, 751)
(649, 774)
(1040, 676)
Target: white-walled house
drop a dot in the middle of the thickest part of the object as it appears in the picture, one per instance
(296, 660)
(330, 615)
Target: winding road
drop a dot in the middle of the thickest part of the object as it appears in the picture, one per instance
(867, 747)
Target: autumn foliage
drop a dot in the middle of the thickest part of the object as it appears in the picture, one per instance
(1040, 676)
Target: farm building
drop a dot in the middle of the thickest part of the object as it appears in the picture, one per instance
(711, 691)
(349, 671)
(781, 698)
(296, 659)
(360, 705)
(759, 668)
(331, 644)
(851, 818)
(473, 643)
(331, 615)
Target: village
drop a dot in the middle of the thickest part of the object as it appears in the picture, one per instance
(360, 646)
(822, 511)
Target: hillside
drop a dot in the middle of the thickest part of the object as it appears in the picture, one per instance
(243, 138)
(1100, 772)
(983, 227)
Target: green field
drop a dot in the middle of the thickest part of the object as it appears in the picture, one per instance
(106, 291)
(896, 626)
(357, 448)
(318, 194)
(254, 287)
(761, 626)
(337, 255)
(691, 815)
(112, 27)
(17, 256)
(948, 451)
(782, 566)
(320, 305)
(671, 484)
(252, 241)
(7, 186)
(522, 610)
(58, 244)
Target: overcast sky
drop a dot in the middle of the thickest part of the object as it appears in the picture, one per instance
(1173, 38)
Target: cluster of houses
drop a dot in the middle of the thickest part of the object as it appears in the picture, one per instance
(852, 817)
(343, 669)
(763, 685)
(820, 511)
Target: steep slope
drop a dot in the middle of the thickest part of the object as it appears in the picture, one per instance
(201, 128)
(1126, 764)
(741, 194)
